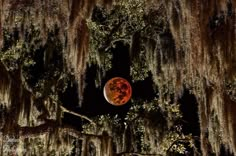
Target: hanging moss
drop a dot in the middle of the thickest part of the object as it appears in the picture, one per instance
(182, 43)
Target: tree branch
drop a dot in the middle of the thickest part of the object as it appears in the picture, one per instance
(186, 140)
(76, 114)
(56, 101)
(71, 112)
(48, 126)
(108, 38)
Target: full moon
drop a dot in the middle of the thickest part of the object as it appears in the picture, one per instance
(117, 91)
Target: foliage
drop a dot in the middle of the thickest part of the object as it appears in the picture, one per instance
(39, 67)
(136, 24)
(41, 64)
(139, 69)
(145, 118)
(132, 22)
(162, 117)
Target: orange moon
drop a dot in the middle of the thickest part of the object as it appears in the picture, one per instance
(117, 91)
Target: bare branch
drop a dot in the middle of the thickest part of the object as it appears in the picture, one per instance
(71, 112)
(77, 114)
